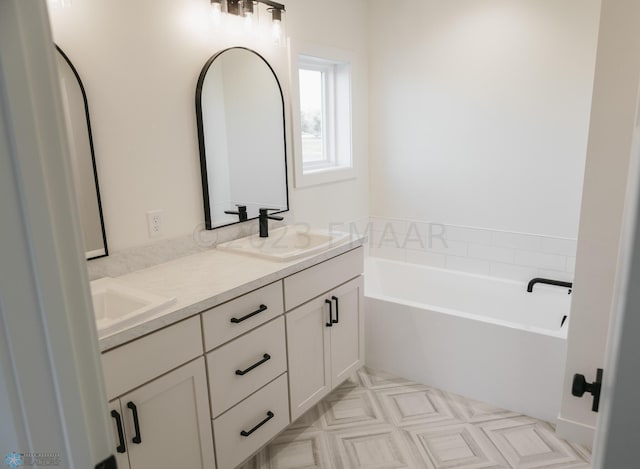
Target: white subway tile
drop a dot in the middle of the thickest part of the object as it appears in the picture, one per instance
(513, 272)
(394, 254)
(465, 264)
(390, 238)
(468, 235)
(540, 260)
(450, 248)
(387, 239)
(556, 275)
(516, 240)
(492, 253)
(571, 264)
(565, 247)
(432, 259)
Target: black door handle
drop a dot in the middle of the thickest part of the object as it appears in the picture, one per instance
(270, 415)
(250, 315)
(580, 386)
(266, 357)
(136, 424)
(330, 323)
(121, 448)
(337, 320)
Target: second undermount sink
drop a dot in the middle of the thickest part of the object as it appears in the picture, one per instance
(117, 305)
(286, 243)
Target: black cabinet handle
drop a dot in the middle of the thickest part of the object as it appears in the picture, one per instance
(265, 358)
(337, 320)
(136, 424)
(270, 415)
(121, 447)
(330, 323)
(250, 315)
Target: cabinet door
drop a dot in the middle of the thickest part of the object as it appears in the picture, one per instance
(347, 335)
(174, 425)
(119, 436)
(309, 355)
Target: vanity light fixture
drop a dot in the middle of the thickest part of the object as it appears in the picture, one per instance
(246, 9)
(216, 11)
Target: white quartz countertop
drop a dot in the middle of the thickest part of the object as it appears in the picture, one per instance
(204, 280)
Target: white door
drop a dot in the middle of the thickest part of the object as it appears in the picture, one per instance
(119, 436)
(308, 344)
(347, 336)
(173, 422)
(618, 430)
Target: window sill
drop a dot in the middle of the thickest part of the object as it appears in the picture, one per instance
(324, 176)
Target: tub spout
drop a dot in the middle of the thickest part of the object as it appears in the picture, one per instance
(557, 283)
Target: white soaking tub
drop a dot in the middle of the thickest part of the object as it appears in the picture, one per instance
(482, 337)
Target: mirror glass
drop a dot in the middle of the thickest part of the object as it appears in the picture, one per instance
(83, 164)
(241, 132)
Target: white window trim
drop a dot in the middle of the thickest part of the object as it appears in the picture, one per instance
(327, 173)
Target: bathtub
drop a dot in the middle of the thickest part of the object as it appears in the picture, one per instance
(481, 337)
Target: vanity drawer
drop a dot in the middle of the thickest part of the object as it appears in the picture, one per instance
(227, 321)
(144, 359)
(271, 403)
(264, 347)
(306, 285)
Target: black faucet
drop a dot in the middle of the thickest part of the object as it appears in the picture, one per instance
(264, 221)
(557, 283)
(242, 212)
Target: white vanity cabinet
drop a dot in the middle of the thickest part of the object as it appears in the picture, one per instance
(325, 338)
(237, 373)
(159, 401)
(165, 423)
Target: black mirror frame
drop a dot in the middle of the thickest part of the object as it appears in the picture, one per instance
(201, 142)
(93, 155)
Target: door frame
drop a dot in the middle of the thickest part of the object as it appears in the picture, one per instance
(51, 386)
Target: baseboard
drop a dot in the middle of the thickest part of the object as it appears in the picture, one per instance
(575, 432)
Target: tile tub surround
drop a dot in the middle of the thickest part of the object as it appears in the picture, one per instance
(376, 420)
(514, 256)
(207, 279)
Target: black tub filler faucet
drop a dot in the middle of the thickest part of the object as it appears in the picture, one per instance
(557, 283)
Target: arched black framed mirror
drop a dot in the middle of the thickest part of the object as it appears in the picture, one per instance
(241, 133)
(83, 161)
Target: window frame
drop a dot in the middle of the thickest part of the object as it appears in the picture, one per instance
(338, 163)
(327, 71)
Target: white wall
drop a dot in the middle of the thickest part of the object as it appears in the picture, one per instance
(480, 111)
(140, 61)
(611, 135)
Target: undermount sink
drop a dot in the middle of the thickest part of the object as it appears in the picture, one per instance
(286, 243)
(117, 305)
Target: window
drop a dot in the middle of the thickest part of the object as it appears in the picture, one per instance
(325, 120)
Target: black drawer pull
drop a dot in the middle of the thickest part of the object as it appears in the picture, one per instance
(330, 323)
(121, 447)
(270, 415)
(250, 315)
(337, 319)
(136, 438)
(265, 358)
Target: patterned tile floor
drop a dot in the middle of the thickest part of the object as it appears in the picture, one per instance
(378, 421)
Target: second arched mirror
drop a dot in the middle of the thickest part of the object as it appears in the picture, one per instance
(241, 133)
